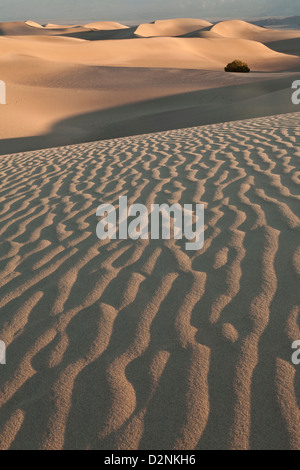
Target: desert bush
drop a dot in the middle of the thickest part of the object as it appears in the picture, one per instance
(237, 66)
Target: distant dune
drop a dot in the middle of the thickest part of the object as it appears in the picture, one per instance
(289, 22)
(244, 30)
(192, 53)
(30, 28)
(238, 29)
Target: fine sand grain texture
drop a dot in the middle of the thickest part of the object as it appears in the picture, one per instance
(141, 344)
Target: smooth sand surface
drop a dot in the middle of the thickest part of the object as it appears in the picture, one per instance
(70, 108)
(244, 30)
(70, 84)
(141, 344)
(29, 28)
(105, 25)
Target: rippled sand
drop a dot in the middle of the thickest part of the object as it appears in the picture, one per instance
(140, 344)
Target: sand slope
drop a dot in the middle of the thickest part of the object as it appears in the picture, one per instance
(34, 24)
(30, 28)
(238, 28)
(139, 344)
(105, 25)
(55, 104)
(163, 28)
(69, 84)
(244, 30)
(196, 53)
(174, 27)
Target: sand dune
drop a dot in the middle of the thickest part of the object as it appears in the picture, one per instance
(286, 46)
(34, 24)
(31, 28)
(139, 344)
(20, 28)
(94, 31)
(54, 26)
(162, 28)
(174, 27)
(244, 30)
(202, 34)
(105, 25)
(71, 84)
(238, 29)
(193, 53)
(17, 28)
(284, 41)
(289, 22)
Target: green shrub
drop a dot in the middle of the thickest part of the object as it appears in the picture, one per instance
(237, 66)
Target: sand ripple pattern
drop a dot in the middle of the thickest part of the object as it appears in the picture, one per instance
(140, 344)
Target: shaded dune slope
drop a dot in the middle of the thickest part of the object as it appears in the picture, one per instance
(82, 103)
(244, 30)
(140, 344)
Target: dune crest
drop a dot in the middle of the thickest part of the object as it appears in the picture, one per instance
(237, 29)
(78, 83)
(175, 27)
(29, 29)
(129, 344)
(167, 52)
(105, 25)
